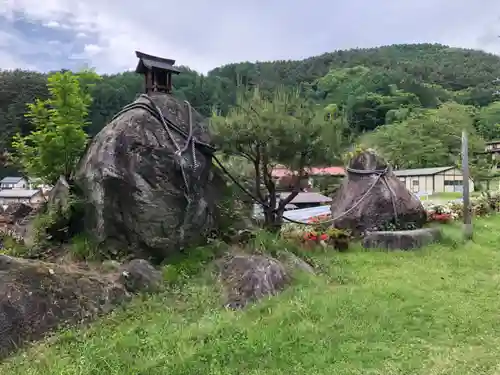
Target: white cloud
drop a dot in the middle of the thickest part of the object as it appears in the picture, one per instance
(92, 49)
(52, 25)
(8, 59)
(204, 34)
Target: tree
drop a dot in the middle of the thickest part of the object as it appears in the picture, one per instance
(428, 138)
(285, 130)
(488, 121)
(58, 140)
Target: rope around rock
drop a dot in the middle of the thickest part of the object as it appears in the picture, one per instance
(206, 148)
(380, 176)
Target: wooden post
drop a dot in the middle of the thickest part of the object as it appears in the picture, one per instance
(465, 180)
(149, 82)
(169, 83)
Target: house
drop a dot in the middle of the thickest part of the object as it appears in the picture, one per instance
(433, 180)
(493, 148)
(307, 199)
(280, 173)
(27, 196)
(13, 183)
(299, 202)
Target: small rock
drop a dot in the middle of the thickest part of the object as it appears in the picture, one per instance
(293, 262)
(248, 278)
(5, 262)
(140, 276)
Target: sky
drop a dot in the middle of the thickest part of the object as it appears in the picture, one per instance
(104, 34)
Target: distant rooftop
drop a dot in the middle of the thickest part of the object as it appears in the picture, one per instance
(421, 171)
(18, 193)
(307, 198)
(10, 180)
(314, 171)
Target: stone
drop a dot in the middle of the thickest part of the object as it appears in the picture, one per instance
(140, 276)
(365, 202)
(401, 240)
(59, 195)
(131, 177)
(17, 222)
(292, 262)
(248, 278)
(37, 297)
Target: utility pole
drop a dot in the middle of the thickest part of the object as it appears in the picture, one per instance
(465, 183)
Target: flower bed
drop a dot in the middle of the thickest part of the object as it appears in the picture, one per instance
(317, 233)
(485, 204)
(440, 213)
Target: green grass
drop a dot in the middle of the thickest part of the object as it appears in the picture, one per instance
(434, 311)
(449, 195)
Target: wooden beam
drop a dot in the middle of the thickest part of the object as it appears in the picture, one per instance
(149, 81)
(169, 83)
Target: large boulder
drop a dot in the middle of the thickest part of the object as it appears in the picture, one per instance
(37, 297)
(141, 194)
(369, 198)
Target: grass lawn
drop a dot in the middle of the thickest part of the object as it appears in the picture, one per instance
(449, 196)
(434, 311)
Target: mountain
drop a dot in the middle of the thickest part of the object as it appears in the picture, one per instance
(365, 82)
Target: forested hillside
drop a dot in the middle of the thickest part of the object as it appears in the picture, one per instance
(365, 88)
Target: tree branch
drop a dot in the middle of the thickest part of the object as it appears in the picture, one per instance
(258, 181)
(246, 154)
(268, 178)
(296, 188)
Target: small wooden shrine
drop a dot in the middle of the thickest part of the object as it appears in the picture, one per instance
(157, 72)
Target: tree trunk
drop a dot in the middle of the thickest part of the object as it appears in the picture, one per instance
(273, 219)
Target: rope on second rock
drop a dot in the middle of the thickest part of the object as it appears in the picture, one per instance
(381, 175)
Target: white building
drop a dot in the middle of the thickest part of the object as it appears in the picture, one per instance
(13, 183)
(26, 196)
(433, 180)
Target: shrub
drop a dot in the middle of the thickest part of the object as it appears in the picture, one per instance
(84, 248)
(442, 213)
(317, 233)
(485, 204)
(10, 246)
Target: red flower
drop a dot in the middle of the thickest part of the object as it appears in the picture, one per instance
(323, 237)
(313, 238)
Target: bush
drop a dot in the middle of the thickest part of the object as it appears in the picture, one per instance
(317, 234)
(84, 248)
(485, 204)
(59, 224)
(12, 247)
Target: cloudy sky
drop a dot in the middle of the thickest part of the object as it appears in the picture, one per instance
(54, 34)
